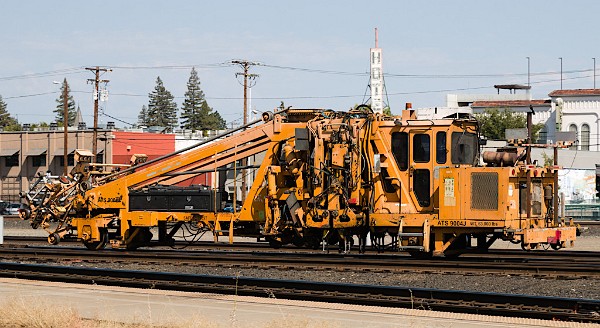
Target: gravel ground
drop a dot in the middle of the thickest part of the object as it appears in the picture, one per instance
(588, 289)
(579, 288)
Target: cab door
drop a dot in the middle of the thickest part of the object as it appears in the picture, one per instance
(421, 168)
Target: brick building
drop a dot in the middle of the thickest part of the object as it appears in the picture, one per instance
(23, 154)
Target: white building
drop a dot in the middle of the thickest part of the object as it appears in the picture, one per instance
(578, 110)
(575, 110)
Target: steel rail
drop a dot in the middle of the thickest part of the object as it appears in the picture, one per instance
(549, 308)
(259, 246)
(543, 267)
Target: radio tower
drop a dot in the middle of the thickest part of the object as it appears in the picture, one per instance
(376, 80)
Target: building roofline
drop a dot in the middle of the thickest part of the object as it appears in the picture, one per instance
(575, 92)
(512, 103)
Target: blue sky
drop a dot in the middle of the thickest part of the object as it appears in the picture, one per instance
(451, 47)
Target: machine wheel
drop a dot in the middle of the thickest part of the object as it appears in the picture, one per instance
(98, 245)
(298, 241)
(556, 246)
(333, 238)
(53, 239)
(532, 246)
(142, 237)
(313, 242)
(274, 243)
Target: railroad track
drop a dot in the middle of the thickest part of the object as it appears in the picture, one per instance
(549, 308)
(568, 266)
(263, 246)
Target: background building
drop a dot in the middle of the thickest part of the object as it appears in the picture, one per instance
(578, 110)
(24, 154)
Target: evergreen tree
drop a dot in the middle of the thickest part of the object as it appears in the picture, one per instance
(195, 112)
(143, 116)
(7, 122)
(60, 109)
(162, 110)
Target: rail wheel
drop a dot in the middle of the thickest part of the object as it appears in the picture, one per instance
(556, 246)
(298, 241)
(312, 242)
(97, 245)
(274, 242)
(137, 237)
(529, 247)
(54, 239)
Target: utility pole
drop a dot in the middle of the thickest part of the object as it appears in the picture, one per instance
(245, 65)
(528, 72)
(96, 82)
(66, 128)
(560, 72)
(594, 72)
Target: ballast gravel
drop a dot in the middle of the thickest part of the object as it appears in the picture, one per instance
(580, 288)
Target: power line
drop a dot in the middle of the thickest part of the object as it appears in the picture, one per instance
(310, 70)
(78, 70)
(31, 95)
(175, 67)
(117, 119)
(433, 76)
(66, 71)
(444, 76)
(306, 97)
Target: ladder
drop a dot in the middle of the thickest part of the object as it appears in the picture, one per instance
(422, 236)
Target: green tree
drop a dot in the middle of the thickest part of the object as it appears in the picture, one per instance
(143, 116)
(60, 109)
(39, 125)
(494, 121)
(195, 112)
(535, 131)
(7, 122)
(548, 160)
(162, 110)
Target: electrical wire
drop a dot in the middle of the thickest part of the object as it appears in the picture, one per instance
(76, 70)
(215, 65)
(116, 119)
(66, 71)
(316, 97)
(31, 95)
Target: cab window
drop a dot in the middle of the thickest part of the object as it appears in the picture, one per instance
(421, 148)
(400, 149)
(464, 148)
(440, 147)
(421, 186)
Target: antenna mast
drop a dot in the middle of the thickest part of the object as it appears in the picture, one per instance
(376, 79)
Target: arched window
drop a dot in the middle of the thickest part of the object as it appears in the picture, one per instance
(573, 128)
(585, 137)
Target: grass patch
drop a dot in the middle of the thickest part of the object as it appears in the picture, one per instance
(36, 313)
(41, 313)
